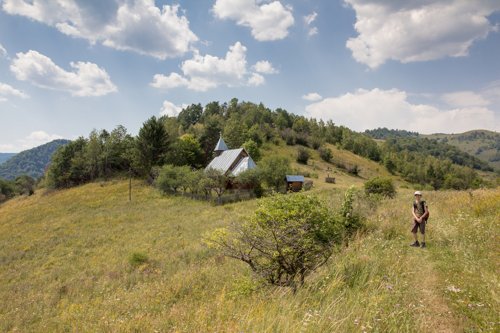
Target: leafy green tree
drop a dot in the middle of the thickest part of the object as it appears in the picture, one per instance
(25, 185)
(190, 115)
(234, 133)
(211, 133)
(185, 151)
(68, 166)
(7, 189)
(170, 178)
(218, 182)
(251, 179)
(287, 238)
(303, 155)
(152, 144)
(273, 171)
(252, 149)
(326, 154)
(380, 185)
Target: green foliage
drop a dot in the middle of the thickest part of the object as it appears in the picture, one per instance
(287, 238)
(216, 181)
(380, 185)
(273, 171)
(102, 155)
(185, 151)
(190, 115)
(252, 149)
(32, 162)
(302, 155)
(152, 144)
(171, 178)
(385, 133)
(234, 133)
(251, 179)
(138, 258)
(326, 154)
(25, 185)
(7, 189)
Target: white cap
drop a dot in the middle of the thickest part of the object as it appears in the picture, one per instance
(417, 193)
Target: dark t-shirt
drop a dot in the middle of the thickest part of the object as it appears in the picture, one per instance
(418, 207)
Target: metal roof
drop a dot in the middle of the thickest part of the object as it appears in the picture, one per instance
(224, 161)
(221, 145)
(244, 164)
(294, 178)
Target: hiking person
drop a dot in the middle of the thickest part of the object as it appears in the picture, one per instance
(420, 214)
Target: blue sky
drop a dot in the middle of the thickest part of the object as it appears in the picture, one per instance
(68, 66)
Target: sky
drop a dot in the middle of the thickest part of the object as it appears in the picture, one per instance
(70, 66)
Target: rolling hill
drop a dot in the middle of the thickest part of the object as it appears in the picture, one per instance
(32, 162)
(5, 156)
(66, 266)
(485, 145)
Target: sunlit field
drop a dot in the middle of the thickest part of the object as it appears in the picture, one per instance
(87, 260)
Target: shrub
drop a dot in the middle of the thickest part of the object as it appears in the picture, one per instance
(353, 170)
(325, 154)
(380, 185)
(251, 179)
(302, 155)
(287, 237)
(137, 259)
(273, 171)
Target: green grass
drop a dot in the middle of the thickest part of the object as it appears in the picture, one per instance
(87, 260)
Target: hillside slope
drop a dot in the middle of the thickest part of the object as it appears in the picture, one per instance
(482, 144)
(65, 266)
(31, 162)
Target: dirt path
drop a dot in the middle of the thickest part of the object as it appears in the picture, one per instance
(434, 314)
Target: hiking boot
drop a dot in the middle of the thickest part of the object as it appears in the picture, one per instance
(422, 245)
(416, 244)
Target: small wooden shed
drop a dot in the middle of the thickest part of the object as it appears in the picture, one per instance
(294, 182)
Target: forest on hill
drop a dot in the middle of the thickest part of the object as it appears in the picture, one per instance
(189, 139)
(31, 162)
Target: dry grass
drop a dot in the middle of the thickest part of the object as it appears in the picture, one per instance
(65, 266)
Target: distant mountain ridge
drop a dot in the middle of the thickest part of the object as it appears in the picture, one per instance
(5, 156)
(31, 162)
(476, 148)
(482, 144)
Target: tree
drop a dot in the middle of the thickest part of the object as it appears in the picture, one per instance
(251, 179)
(218, 182)
(380, 185)
(287, 238)
(302, 155)
(273, 171)
(170, 178)
(68, 166)
(185, 151)
(252, 149)
(152, 144)
(7, 189)
(234, 133)
(326, 154)
(190, 115)
(25, 185)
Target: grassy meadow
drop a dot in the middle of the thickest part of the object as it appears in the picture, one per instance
(87, 260)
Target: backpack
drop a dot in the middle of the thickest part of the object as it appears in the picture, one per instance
(423, 203)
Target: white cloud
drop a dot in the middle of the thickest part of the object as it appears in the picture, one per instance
(256, 80)
(202, 73)
(312, 97)
(265, 67)
(85, 79)
(465, 99)
(3, 51)
(34, 139)
(267, 21)
(308, 20)
(422, 30)
(170, 109)
(132, 25)
(367, 109)
(7, 91)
